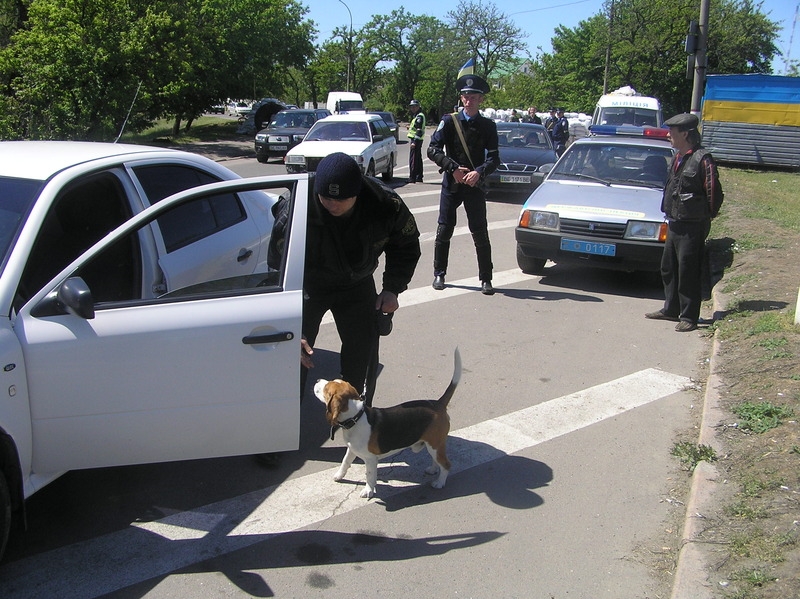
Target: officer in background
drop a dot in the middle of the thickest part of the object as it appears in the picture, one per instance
(560, 132)
(416, 133)
(550, 121)
(466, 160)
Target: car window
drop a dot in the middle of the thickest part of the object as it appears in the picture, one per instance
(83, 213)
(18, 199)
(143, 280)
(197, 220)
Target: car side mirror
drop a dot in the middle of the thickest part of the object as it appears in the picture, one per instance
(377, 137)
(76, 298)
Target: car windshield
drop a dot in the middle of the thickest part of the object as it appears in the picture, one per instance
(339, 131)
(520, 136)
(294, 120)
(640, 117)
(615, 164)
(18, 196)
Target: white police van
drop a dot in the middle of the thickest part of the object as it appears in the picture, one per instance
(627, 109)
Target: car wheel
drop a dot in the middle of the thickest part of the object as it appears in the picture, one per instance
(262, 159)
(388, 174)
(5, 513)
(371, 169)
(528, 265)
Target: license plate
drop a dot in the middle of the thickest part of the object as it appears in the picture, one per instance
(588, 247)
(515, 179)
(280, 147)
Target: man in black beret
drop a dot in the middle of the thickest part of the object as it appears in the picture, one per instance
(692, 197)
(352, 220)
(464, 147)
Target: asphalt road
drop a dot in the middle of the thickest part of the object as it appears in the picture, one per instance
(563, 483)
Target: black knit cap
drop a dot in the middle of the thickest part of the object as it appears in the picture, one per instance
(684, 122)
(338, 177)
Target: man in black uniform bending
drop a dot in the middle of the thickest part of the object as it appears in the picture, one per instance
(466, 159)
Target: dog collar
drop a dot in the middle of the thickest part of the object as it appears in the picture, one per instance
(347, 424)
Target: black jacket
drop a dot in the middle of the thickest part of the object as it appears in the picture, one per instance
(693, 191)
(341, 252)
(447, 151)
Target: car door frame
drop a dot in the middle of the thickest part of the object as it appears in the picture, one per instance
(68, 325)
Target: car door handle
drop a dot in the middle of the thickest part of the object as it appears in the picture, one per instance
(244, 254)
(273, 338)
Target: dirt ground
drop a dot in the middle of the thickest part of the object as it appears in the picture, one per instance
(754, 532)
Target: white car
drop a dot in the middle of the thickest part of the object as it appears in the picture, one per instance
(600, 205)
(138, 327)
(365, 137)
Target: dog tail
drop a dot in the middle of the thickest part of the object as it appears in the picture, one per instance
(451, 388)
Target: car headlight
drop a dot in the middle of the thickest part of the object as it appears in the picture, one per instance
(295, 159)
(298, 138)
(359, 159)
(539, 219)
(646, 230)
(261, 137)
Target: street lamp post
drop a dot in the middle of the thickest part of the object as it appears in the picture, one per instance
(349, 45)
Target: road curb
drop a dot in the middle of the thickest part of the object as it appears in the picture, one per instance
(691, 574)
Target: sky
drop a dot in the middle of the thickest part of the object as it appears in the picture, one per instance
(537, 18)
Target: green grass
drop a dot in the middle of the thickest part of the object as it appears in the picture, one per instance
(774, 194)
(206, 128)
(760, 417)
(690, 454)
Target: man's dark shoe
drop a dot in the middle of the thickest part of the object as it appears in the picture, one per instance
(486, 288)
(438, 282)
(660, 315)
(684, 326)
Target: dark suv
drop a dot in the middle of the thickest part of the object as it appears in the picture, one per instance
(286, 129)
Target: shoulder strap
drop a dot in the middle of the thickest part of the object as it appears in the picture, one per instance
(460, 132)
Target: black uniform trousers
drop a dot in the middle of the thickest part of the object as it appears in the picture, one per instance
(354, 313)
(415, 161)
(682, 268)
(474, 200)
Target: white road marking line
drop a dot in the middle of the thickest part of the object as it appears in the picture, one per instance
(421, 295)
(151, 549)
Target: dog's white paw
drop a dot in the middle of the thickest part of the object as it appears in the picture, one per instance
(367, 493)
(338, 477)
(432, 470)
(437, 484)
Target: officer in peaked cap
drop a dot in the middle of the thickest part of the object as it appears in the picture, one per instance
(416, 134)
(472, 83)
(464, 147)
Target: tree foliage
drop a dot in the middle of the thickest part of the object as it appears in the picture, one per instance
(73, 69)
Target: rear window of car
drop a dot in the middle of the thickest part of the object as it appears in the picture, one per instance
(193, 221)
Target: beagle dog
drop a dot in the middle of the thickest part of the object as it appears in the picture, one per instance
(374, 433)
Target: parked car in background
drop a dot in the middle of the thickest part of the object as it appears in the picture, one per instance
(240, 108)
(217, 109)
(526, 155)
(388, 118)
(134, 323)
(601, 203)
(286, 129)
(365, 137)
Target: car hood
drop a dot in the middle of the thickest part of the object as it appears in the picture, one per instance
(285, 131)
(527, 155)
(581, 200)
(320, 149)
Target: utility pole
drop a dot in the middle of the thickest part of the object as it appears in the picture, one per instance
(700, 59)
(349, 45)
(608, 46)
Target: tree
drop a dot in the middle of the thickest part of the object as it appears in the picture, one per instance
(74, 69)
(491, 37)
(644, 41)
